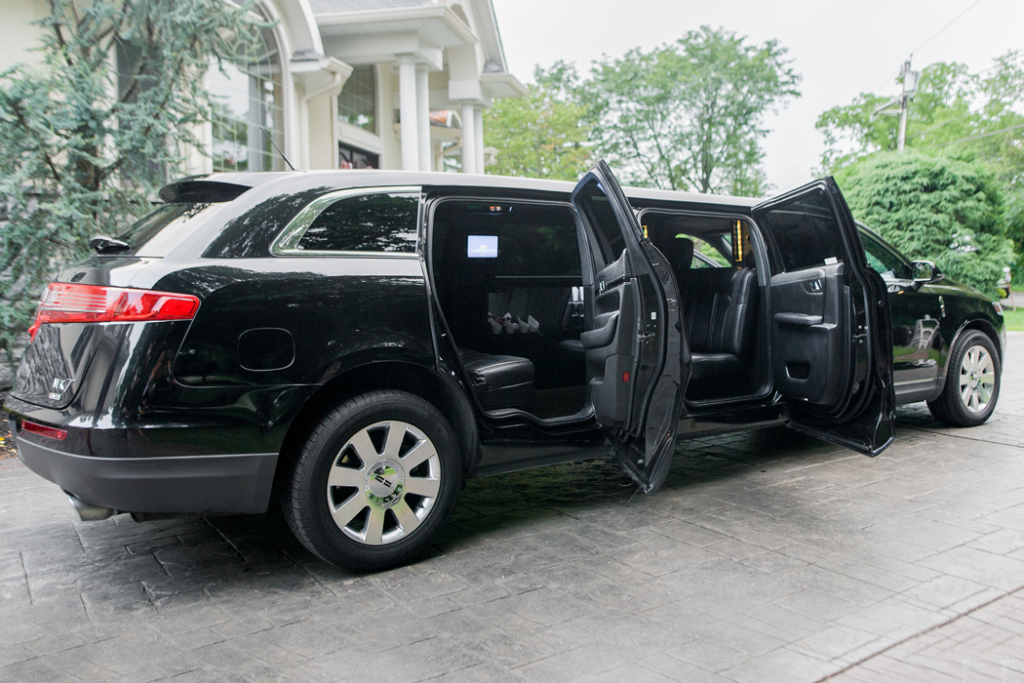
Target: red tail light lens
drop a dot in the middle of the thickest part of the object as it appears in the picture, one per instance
(43, 430)
(71, 303)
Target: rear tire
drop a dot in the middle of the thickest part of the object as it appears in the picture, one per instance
(375, 483)
(972, 384)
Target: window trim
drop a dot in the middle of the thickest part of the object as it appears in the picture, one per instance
(287, 242)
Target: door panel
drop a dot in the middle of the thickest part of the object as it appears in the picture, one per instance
(610, 345)
(831, 324)
(810, 315)
(633, 335)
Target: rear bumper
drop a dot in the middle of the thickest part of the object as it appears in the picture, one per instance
(187, 484)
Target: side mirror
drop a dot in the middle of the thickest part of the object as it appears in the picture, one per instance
(924, 273)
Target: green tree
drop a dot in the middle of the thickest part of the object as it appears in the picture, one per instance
(689, 115)
(936, 208)
(976, 117)
(542, 135)
(944, 109)
(82, 146)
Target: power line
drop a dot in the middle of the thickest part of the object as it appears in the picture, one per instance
(973, 137)
(937, 33)
(798, 167)
(934, 36)
(888, 78)
(944, 123)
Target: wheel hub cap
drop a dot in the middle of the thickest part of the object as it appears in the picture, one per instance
(977, 379)
(384, 483)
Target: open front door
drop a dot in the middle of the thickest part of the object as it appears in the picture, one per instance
(831, 326)
(632, 337)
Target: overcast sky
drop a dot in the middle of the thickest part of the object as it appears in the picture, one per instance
(840, 49)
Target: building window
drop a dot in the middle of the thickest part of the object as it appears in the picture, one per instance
(357, 103)
(353, 157)
(247, 100)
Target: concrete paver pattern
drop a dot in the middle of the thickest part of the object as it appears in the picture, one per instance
(767, 556)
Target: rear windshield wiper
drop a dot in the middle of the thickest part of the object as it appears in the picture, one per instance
(108, 245)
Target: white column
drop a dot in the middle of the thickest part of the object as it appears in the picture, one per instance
(478, 128)
(468, 138)
(423, 116)
(407, 112)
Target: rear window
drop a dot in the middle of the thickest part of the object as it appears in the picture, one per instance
(166, 227)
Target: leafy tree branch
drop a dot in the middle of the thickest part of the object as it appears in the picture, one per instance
(90, 133)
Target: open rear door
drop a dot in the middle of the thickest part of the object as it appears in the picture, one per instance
(632, 336)
(831, 325)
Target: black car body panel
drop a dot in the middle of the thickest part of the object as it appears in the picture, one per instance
(928, 318)
(200, 415)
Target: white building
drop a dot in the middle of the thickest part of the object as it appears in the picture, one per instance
(340, 82)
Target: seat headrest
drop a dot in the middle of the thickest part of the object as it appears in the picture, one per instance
(679, 253)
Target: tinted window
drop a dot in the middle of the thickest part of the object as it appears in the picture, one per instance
(165, 228)
(805, 232)
(521, 240)
(544, 245)
(372, 222)
(601, 216)
(884, 262)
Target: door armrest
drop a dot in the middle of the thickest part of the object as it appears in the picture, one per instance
(800, 319)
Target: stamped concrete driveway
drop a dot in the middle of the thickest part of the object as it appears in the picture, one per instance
(766, 557)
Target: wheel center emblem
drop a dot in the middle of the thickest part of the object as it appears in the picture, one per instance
(385, 483)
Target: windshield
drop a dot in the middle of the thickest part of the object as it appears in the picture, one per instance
(156, 234)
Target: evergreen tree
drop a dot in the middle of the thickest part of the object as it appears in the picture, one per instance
(88, 135)
(976, 117)
(935, 208)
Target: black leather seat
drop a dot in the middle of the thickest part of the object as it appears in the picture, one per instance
(679, 252)
(500, 381)
(721, 307)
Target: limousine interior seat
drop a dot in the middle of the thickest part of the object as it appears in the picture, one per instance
(500, 381)
(720, 309)
(679, 252)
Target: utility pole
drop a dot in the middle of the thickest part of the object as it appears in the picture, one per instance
(910, 79)
(909, 88)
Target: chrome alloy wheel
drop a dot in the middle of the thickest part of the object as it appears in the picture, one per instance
(384, 482)
(977, 379)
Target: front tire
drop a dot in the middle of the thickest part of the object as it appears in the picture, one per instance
(375, 482)
(972, 382)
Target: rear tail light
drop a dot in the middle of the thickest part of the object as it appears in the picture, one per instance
(43, 430)
(72, 303)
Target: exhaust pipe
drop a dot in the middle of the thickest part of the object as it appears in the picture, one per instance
(89, 513)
